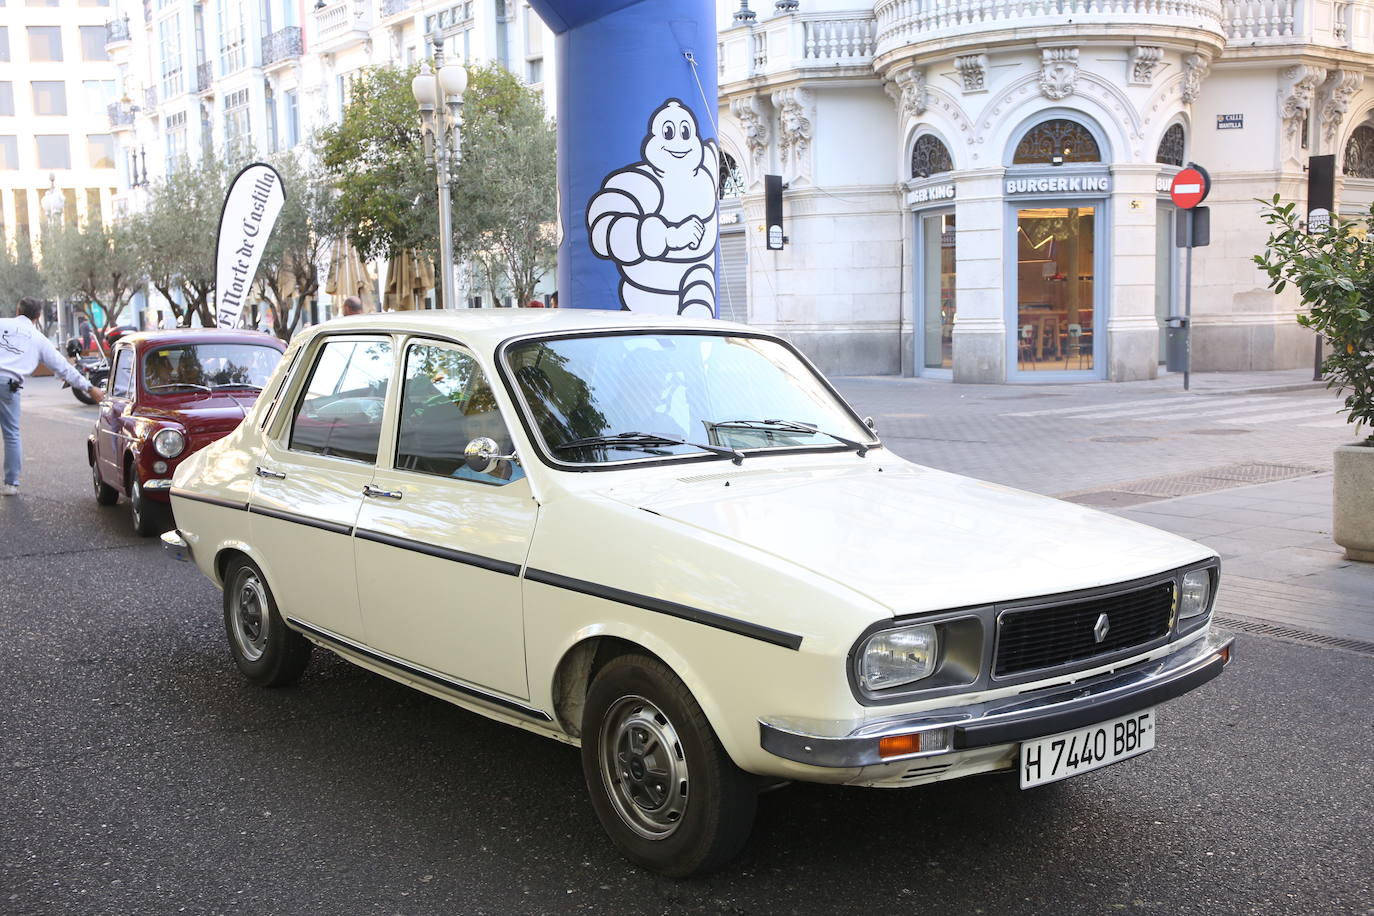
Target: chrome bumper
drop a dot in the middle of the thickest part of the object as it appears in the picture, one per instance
(162, 483)
(176, 547)
(1010, 719)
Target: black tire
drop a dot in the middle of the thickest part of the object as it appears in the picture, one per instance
(82, 396)
(642, 718)
(267, 652)
(149, 517)
(105, 494)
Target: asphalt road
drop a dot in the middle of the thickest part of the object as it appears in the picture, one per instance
(142, 775)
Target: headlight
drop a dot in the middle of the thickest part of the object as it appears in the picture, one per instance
(169, 442)
(899, 656)
(1196, 594)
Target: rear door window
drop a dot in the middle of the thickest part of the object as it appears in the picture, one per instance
(340, 411)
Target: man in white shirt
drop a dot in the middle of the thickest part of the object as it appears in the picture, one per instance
(22, 346)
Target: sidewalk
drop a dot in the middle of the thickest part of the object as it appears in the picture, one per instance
(1278, 562)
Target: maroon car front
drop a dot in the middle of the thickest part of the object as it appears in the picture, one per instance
(170, 394)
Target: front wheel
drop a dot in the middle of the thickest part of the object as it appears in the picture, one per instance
(265, 650)
(148, 516)
(662, 785)
(105, 494)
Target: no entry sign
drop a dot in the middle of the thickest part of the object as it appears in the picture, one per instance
(1189, 188)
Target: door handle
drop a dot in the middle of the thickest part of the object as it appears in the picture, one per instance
(274, 475)
(378, 493)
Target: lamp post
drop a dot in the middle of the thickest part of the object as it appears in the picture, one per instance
(53, 206)
(440, 97)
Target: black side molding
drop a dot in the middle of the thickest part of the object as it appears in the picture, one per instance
(442, 553)
(210, 500)
(336, 527)
(671, 608)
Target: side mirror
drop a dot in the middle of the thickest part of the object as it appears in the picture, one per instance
(868, 421)
(482, 455)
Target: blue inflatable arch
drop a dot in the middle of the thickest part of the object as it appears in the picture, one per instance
(638, 158)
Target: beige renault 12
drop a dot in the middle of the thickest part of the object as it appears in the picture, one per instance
(674, 544)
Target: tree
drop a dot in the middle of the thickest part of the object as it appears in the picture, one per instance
(386, 195)
(19, 276)
(307, 225)
(505, 193)
(92, 264)
(1333, 271)
(175, 237)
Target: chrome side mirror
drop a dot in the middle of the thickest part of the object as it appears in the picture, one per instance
(482, 455)
(868, 421)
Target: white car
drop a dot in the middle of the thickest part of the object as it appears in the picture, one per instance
(672, 543)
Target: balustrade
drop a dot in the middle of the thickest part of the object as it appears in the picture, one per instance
(805, 41)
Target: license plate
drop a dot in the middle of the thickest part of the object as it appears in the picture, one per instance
(1085, 749)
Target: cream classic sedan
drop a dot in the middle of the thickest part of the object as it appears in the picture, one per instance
(673, 544)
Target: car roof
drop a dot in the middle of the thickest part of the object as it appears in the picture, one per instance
(145, 340)
(489, 327)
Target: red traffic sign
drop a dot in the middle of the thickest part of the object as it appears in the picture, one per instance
(1189, 188)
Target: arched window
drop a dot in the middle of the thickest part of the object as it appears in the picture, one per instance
(929, 157)
(731, 178)
(1171, 146)
(1359, 153)
(1056, 139)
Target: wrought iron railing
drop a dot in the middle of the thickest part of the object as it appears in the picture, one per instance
(117, 30)
(121, 115)
(150, 97)
(392, 7)
(283, 44)
(205, 76)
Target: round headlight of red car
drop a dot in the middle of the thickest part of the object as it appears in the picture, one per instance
(169, 442)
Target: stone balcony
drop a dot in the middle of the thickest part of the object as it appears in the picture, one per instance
(341, 23)
(205, 78)
(1266, 27)
(282, 48)
(809, 45)
(392, 8)
(121, 116)
(117, 33)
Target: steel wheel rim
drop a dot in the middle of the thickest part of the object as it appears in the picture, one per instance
(95, 478)
(643, 767)
(136, 502)
(248, 615)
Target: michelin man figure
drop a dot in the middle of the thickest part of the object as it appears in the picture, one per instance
(656, 219)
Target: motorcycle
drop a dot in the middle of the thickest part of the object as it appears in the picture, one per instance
(96, 368)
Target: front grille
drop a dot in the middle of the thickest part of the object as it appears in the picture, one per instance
(1047, 637)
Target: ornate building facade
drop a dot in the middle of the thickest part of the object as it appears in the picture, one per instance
(979, 190)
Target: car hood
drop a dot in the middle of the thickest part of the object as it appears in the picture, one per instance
(913, 538)
(214, 413)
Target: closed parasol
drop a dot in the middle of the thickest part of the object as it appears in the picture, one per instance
(409, 276)
(349, 274)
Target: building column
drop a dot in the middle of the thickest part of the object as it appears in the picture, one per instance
(1132, 328)
(980, 333)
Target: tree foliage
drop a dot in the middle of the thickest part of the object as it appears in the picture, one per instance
(1334, 273)
(505, 197)
(307, 225)
(387, 200)
(175, 237)
(19, 276)
(92, 264)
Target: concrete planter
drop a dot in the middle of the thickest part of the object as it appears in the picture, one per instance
(1353, 511)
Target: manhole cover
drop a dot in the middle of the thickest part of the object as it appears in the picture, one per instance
(1194, 482)
(1123, 439)
(1220, 432)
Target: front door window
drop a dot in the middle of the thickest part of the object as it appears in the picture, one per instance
(1054, 289)
(937, 289)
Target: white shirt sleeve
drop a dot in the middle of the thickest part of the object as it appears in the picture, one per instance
(60, 367)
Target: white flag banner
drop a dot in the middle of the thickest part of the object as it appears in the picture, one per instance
(250, 210)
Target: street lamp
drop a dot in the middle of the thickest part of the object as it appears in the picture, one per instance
(53, 206)
(440, 97)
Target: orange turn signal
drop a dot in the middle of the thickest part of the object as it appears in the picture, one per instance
(899, 745)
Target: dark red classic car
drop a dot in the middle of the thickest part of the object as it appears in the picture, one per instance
(170, 394)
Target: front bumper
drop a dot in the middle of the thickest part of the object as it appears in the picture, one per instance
(1009, 719)
(175, 546)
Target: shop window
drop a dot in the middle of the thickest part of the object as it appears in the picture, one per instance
(1055, 142)
(929, 157)
(1170, 150)
(1359, 153)
(731, 178)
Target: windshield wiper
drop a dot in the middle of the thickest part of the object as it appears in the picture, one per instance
(794, 426)
(639, 440)
(181, 385)
(239, 385)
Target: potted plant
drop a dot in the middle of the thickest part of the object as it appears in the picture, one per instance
(1333, 270)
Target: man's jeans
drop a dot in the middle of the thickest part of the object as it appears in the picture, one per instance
(9, 427)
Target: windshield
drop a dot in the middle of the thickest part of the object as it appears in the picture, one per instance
(733, 392)
(208, 366)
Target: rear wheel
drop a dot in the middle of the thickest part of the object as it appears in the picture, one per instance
(149, 517)
(82, 396)
(266, 651)
(105, 494)
(662, 785)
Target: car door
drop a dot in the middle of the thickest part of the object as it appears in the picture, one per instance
(317, 458)
(109, 424)
(440, 547)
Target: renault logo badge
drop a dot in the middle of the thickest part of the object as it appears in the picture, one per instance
(1101, 628)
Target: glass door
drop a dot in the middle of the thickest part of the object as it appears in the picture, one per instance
(1056, 258)
(936, 285)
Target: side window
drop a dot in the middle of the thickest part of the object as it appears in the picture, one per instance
(340, 411)
(122, 385)
(445, 404)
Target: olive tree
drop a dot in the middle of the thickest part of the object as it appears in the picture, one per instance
(175, 237)
(92, 264)
(289, 272)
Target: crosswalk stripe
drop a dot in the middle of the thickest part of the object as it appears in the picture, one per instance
(1311, 413)
(1329, 423)
(1194, 409)
(1066, 411)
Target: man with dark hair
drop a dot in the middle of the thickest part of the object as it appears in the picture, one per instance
(21, 348)
(352, 306)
